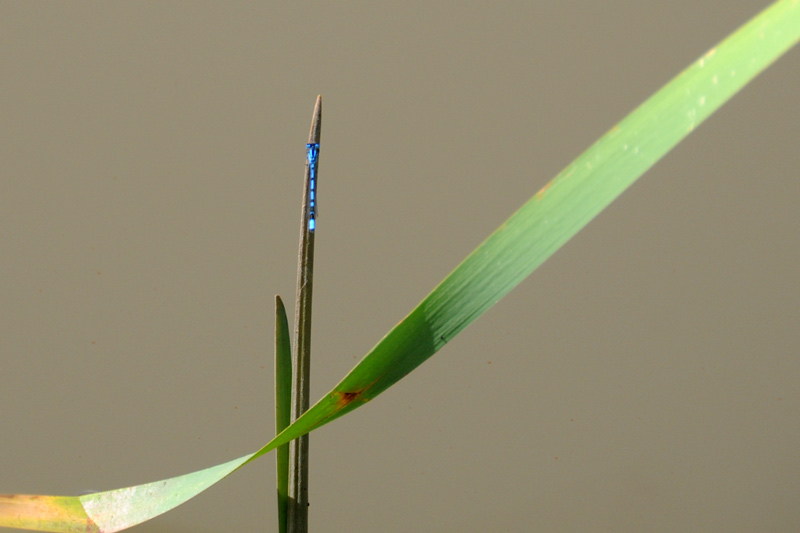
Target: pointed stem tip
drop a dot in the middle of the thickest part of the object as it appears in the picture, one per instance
(316, 122)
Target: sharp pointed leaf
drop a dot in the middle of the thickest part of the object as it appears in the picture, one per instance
(283, 404)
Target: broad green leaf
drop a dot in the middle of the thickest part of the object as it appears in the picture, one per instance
(558, 211)
(511, 253)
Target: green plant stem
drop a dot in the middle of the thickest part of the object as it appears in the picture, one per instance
(298, 448)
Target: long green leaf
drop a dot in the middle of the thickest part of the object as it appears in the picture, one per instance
(512, 252)
(564, 206)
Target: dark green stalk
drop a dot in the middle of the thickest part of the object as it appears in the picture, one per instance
(283, 404)
(298, 448)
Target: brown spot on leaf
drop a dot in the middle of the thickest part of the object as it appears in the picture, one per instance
(345, 398)
(543, 190)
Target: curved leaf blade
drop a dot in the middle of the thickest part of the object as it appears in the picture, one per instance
(564, 206)
(109, 511)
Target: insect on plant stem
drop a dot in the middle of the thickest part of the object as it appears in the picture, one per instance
(298, 448)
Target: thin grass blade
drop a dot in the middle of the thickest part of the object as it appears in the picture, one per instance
(283, 405)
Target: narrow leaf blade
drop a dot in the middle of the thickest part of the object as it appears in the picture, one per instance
(283, 405)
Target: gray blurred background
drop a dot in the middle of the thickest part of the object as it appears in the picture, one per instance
(644, 379)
